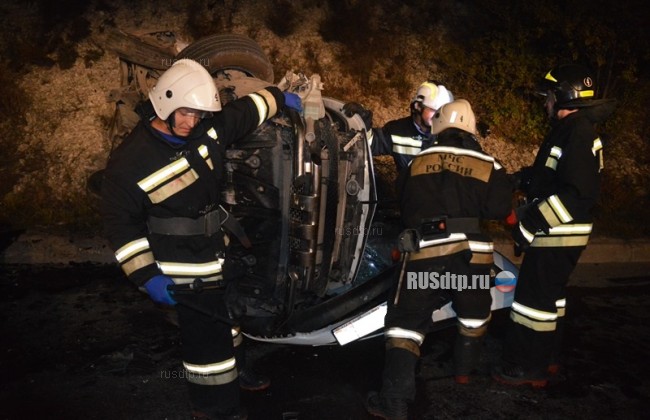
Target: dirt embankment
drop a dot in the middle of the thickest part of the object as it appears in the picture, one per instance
(65, 137)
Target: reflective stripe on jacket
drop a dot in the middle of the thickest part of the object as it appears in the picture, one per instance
(566, 181)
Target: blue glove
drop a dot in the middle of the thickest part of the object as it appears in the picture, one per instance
(293, 101)
(156, 287)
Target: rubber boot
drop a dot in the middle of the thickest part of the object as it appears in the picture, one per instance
(248, 379)
(241, 415)
(467, 353)
(398, 381)
(386, 408)
(525, 357)
(516, 375)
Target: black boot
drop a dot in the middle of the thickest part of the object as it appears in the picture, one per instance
(242, 414)
(249, 380)
(516, 375)
(467, 353)
(398, 381)
(387, 408)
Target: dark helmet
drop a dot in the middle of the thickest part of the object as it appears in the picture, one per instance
(572, 84)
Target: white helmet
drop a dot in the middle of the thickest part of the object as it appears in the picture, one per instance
(456, 114)
(433, 96)
(186, 84)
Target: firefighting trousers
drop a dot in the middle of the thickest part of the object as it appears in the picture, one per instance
(428, 284)
(533, 331)
(208, 356)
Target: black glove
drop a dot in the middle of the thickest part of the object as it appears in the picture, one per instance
(352, 108)
(409, 241)
(531, 221)
(521, 179)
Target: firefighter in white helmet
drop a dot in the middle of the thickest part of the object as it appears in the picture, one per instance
(446, 191)
(161, 198)
(405, 137)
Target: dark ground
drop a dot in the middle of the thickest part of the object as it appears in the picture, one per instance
(79, 342)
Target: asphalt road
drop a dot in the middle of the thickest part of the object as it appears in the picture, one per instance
(79, 342)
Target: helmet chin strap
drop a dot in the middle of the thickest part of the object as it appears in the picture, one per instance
(171, 122)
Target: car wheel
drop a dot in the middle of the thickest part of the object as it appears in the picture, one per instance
(220, 53)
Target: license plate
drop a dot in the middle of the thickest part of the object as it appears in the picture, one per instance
(362, 325)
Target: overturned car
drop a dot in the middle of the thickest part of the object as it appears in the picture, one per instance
(303, 188)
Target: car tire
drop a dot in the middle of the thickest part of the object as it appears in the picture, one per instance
(223, 52)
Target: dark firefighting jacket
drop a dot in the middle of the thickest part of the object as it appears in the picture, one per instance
(564, 182)
(151, 178)
(457, 180)
(400, 139)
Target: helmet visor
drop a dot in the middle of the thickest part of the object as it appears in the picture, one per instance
(196, 113)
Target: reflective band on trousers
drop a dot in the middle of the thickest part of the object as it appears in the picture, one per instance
(477, 246)
(533, 313)
(407, 334)
(482, 252)
(212, 367)
(531, 323)
(212, 374)
(533, 318)
(473, 323)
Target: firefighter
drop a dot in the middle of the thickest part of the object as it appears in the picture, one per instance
(446, 191)
(562, 187)
(405, 137)
(162, 215)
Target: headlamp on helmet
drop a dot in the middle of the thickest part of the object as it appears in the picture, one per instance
(571, 84)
